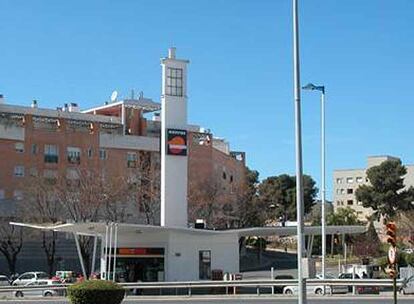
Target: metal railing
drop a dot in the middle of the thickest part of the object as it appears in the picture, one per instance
(190, 286)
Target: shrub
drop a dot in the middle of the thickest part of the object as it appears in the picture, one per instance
(96, 292)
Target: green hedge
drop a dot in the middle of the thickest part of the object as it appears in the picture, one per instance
(96, 292)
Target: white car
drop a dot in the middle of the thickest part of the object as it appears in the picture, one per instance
(47, 291)
(28, 277)
(316, 289)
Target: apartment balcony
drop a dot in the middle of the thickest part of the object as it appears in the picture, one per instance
(130, 142)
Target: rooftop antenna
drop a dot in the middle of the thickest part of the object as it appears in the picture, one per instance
(114, 96)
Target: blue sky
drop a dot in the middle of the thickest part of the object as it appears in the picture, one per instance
(240, 82)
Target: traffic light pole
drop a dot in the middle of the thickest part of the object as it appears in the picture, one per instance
(392, 256)
(394, 286)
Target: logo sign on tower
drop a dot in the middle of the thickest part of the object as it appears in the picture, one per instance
(176, 142)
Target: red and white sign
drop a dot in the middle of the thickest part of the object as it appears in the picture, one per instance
(392, 255)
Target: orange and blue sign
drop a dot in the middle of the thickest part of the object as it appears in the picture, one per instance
(176, 142)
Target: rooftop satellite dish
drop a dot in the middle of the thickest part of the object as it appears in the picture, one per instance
(114, 95)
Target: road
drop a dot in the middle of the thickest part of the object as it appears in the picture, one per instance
(234, 300)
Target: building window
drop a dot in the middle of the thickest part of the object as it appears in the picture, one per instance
(349, 180)
(174, 82)
(350, 191)
(339, 180)
(132, 159)
(19, 147)
(224, 175)
(102, 154)
(231, 178)
(73, 155)
(2, 194)
(204, 264)
(359, 179)
(342, 191)
(34, 149)
(19, 171)
(18, 195)
(51, 154)
(90, 153)
(350, 202)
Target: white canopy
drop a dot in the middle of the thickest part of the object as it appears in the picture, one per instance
(98, 228)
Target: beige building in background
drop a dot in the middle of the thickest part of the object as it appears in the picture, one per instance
(347, 181)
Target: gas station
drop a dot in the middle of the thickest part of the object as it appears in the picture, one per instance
(172, 251)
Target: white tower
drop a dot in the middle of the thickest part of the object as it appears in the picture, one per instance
(174, 159)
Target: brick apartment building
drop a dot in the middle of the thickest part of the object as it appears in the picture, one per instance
(120, 138)
(114, 138)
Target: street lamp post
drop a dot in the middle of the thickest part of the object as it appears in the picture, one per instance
(313, 87)
(298, 145)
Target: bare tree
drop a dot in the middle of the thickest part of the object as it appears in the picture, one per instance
(205, 202)
(90, 196)
(144, 187)
(11, 242)
(42, 206)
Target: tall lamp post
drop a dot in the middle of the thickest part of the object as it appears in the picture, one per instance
(298, 156)
(313, 87)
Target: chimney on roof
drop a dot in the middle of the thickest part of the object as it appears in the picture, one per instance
(2, 100)
(34, 103)
(73, 107)
(171, 53)
(65, 107)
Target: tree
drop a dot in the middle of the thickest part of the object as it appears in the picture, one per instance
(11, 242)
(89, 196)
(386, 193)
(342, 217)
(144, 190)
(367, 244)
(249, 209)
(279, 192)
(43, 206)
(204, 201)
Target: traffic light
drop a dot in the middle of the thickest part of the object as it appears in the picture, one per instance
(391, 234)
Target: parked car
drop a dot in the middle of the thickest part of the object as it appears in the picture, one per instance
(28, 277)
(334, 289)
(311, 289)
(279, 289)
(359, 289)
(367, 290)
(47, 291)
(4, 280)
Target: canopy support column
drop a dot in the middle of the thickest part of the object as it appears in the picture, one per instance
(115, 248)
(80, 255)
(95, 244)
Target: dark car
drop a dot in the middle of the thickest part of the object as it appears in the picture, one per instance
(367, 290)
(279, 289)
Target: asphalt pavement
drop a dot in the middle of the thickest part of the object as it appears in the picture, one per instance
(234, 300)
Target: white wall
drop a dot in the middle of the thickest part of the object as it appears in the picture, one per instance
(224, 255)
(133, 142)
(11, 132)
(173, 168)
